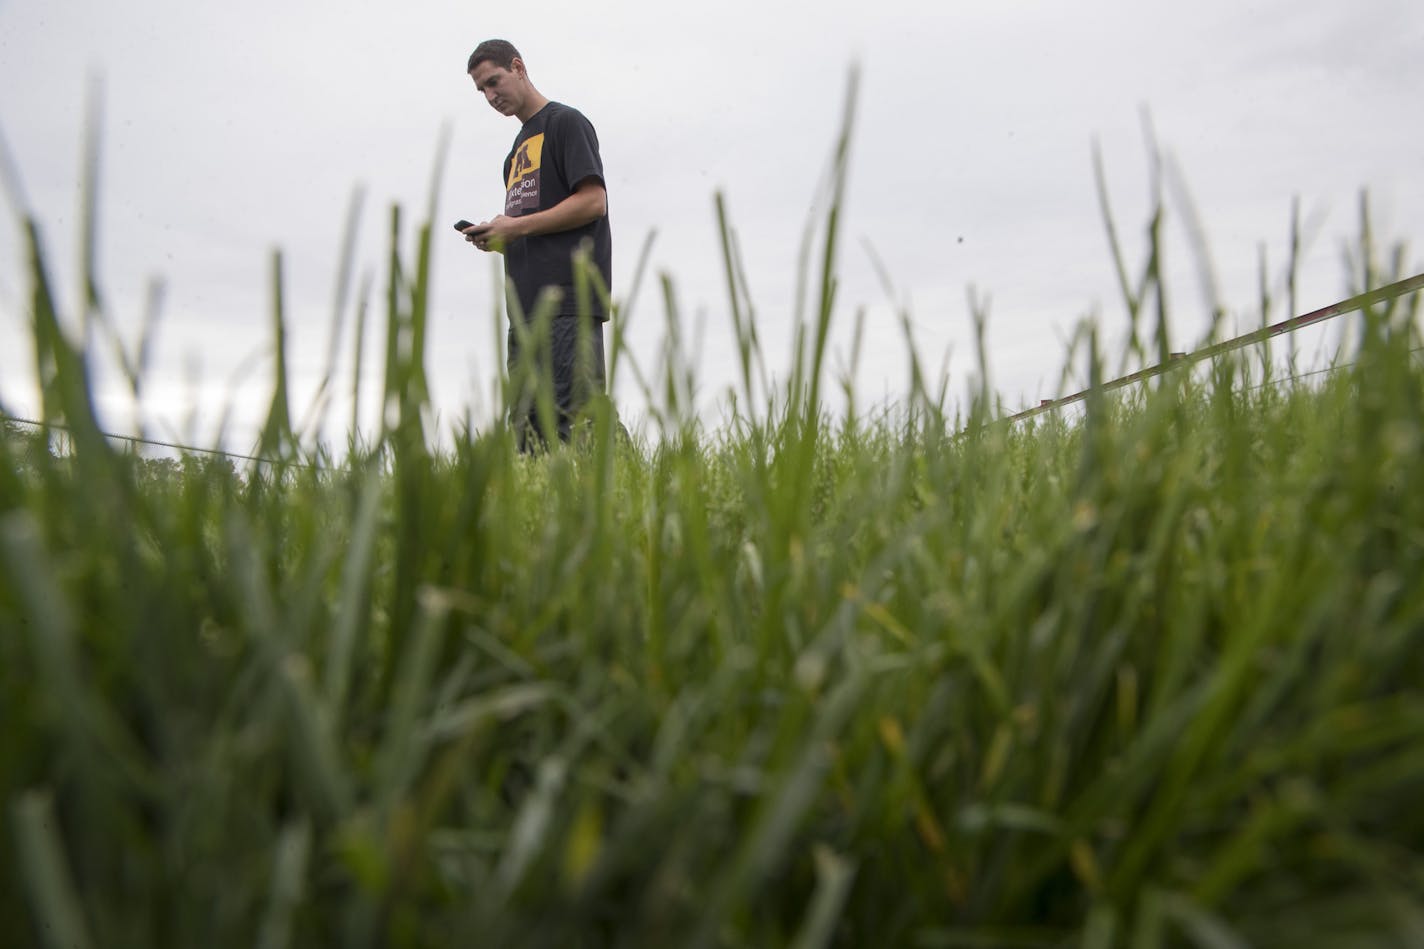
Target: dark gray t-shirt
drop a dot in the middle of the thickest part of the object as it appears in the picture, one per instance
(554, 151)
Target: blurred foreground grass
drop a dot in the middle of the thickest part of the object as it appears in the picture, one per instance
(1151, 677)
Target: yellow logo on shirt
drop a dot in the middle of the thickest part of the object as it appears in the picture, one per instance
(526, 160)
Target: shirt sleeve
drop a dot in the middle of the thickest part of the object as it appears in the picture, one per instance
(578, 150)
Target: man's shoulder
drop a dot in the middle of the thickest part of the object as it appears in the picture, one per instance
(560, 113)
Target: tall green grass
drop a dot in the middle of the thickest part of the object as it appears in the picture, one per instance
(1150, 677)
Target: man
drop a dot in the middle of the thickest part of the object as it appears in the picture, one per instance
(555, 211)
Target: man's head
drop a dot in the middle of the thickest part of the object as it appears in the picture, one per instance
(500, 52)
(499, 74)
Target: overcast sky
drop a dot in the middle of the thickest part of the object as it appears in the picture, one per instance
(229, 130)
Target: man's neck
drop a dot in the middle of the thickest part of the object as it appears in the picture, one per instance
(531, 108)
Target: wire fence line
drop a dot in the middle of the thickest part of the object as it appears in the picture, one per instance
(1352, 304)
(135, 440)
(1320, 372)
(1360, 301)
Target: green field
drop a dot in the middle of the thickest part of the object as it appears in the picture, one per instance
(1152, 675)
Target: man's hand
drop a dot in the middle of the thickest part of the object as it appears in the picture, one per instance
(588, 203)
(494, 234)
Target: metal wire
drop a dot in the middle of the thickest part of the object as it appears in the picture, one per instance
(1350, 305)
(185, 449)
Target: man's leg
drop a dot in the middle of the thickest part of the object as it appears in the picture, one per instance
(578, 363)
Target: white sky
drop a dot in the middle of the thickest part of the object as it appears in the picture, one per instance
(228, 130)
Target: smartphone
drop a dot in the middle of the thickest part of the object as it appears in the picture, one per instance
(461, 224)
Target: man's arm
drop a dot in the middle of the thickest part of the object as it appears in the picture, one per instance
(587, 204)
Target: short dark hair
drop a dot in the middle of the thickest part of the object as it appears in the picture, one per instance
(499, 52)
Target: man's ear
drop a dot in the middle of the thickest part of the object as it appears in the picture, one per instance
(516, 66)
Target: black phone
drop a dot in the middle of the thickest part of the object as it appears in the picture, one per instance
(461, 224)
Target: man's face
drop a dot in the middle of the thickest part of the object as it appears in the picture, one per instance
(503, 88)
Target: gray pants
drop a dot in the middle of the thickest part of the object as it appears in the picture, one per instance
(573, 365)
